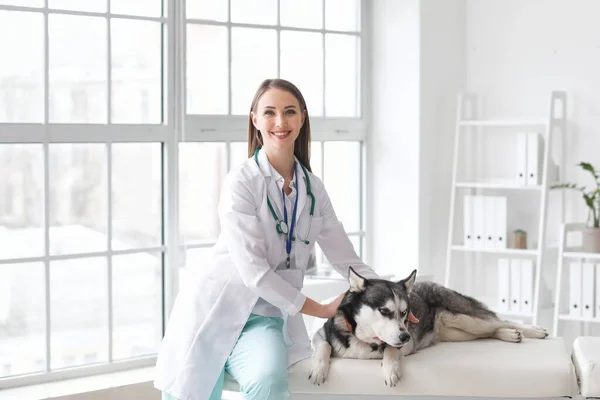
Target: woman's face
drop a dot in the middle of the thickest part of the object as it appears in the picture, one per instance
(279, 119)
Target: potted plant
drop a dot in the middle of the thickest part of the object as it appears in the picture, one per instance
(591, 235)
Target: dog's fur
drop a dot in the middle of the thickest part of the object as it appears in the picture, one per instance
(380, 319)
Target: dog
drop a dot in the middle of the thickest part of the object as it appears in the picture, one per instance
(380, 319)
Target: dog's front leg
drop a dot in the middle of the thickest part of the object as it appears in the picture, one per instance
(391, 365)
(321, 358)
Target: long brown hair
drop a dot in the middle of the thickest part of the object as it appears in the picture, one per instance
(302, 144)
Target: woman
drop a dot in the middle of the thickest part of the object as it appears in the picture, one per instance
(240, 312)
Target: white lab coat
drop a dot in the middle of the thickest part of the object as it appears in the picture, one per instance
(213, 306)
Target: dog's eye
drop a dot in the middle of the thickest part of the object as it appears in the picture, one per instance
(403, 313)
(384, 311)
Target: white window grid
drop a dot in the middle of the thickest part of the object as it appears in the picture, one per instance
(176, 127)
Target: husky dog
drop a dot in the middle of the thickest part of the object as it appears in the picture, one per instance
(379, 319)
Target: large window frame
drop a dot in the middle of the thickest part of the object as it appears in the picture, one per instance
(176, 127)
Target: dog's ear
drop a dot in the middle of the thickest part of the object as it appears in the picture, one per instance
(357, 282)
(409, 282)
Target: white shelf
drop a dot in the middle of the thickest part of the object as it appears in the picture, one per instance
(529, 123)
(514, 252)
(577, 254)
(567, 317)
(496, 185)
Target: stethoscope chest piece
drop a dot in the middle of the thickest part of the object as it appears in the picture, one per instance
(282, 227)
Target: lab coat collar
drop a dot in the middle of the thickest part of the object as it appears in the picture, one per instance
(272, 175)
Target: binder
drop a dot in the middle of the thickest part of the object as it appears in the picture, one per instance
(503, 284)
(527, 274)
(587, 290)
(575, 289)
(468, 221)
(533, 158)
(500, 222)
(515, 285)
(489, 223)
(521, 159)
(478, 222)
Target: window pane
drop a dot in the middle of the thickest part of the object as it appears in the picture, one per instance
(22, 67)
(316, 154)
(262, 12)
(239, 153)
(77, 69)
(342, 171)
(137, 309)
(202, 169)
(21, 201)
(302, 14)
(23, 3)
(342, 15)
(78, 311)
(207, 69)
(78, 5)
(145, 8)
(22, 318)
(254, 59)
(214, 10)
(342, 75)
(136, 71)
(137, 195)
(78, 203)
(302, 64)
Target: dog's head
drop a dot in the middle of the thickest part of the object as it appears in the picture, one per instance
(378, 310)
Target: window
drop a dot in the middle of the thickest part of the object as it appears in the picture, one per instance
(117, 129)
(313, 43)
(83, 133)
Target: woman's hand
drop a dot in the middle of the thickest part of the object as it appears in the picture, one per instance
(331, 308)
(315, 309)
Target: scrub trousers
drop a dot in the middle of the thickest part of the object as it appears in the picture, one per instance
(258, 362)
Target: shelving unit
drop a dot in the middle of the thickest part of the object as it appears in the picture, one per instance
(468, 122)
(566, 253)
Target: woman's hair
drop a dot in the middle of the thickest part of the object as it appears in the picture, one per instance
(302, 144)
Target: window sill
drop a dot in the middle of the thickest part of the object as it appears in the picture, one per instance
(135, 383)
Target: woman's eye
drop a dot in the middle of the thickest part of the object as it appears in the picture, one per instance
(291, 112)
(268, 112)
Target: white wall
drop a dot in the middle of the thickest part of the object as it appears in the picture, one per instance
(417, 53)
(442, 77)
(393, 179)
(518, 51)
(513, 53)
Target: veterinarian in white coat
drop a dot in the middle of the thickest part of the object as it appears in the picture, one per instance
(240, 312)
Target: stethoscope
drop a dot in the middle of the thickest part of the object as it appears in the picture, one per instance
(281, 224)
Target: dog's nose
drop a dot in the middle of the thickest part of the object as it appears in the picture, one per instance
(404, 337)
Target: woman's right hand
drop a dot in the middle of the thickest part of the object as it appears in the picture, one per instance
(315, 309)
(331, 308)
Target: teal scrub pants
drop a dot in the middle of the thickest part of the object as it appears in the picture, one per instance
(258, 362)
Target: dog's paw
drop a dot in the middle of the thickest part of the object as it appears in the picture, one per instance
(319, 372)
(509, 335)
(535, 332)
(392, 372)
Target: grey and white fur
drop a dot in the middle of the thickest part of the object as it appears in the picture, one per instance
(380, 319)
